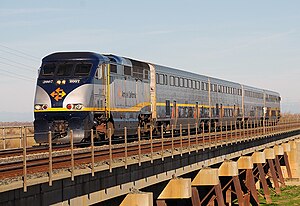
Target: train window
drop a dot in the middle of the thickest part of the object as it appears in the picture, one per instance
(64, 69)
(113, 68)
(197, 84)
(146, 74)
(181, 82)
(99, 72)
(206, 86)
(137, 71)
(166, 79)
(48, 70)
(189, 83)
(82, 69)
(127, 70)
(176, 81)
(214, 88)
(161, 79)
(202, 86)
(185, 83)
(219, 88)
(157, 78)
(240, 92)
(171, 80)
(193, 84)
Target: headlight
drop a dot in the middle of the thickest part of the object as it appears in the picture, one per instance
(40, 106)
(61, 82)
(74, 106)
(37, 107)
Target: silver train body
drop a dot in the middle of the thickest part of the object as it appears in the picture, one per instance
(80, 91)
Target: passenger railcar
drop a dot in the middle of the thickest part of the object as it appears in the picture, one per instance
(80, 91)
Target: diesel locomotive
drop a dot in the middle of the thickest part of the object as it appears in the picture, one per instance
(80, 91)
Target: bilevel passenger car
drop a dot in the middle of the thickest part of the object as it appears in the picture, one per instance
(81, 91)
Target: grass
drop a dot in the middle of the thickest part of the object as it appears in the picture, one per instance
(290, 195)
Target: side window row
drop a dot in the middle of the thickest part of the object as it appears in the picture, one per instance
(136, 71)
(162, 79)
(253, 94)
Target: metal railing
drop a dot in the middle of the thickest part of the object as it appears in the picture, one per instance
(12, 137)
(229, 133)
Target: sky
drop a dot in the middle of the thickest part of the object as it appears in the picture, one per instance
(256, 43)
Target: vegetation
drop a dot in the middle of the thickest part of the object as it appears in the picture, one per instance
(290, 196)
(11, 134)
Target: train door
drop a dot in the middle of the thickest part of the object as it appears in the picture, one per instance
(153, 91)
(102, 100)
(175, 112)
(168, 108)
(99, 88)
(197, 111)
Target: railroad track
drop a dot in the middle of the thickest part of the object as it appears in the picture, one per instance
(64, 157)
(37, 159)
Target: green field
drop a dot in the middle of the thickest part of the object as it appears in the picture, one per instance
(290, 195)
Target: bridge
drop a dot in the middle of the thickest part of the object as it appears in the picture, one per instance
(222, 166)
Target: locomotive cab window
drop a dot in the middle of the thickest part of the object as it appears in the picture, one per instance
(113, 68)
(100, 71)
(82, 70)
(127, 70)
(64, 69)
(146, 74)
(48, 70)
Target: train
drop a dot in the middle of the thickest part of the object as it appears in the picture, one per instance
(80, 91)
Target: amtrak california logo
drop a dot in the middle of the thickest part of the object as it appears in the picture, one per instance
(58, 94)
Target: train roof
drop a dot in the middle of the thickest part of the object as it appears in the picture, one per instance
(213, 80)
(193, 75)
(75, 56)
(119, 60)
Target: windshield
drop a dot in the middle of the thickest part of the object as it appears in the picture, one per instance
(65, 69)
(82, 69)
(48, 70)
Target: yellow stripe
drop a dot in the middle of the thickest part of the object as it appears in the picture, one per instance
(135, 108)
